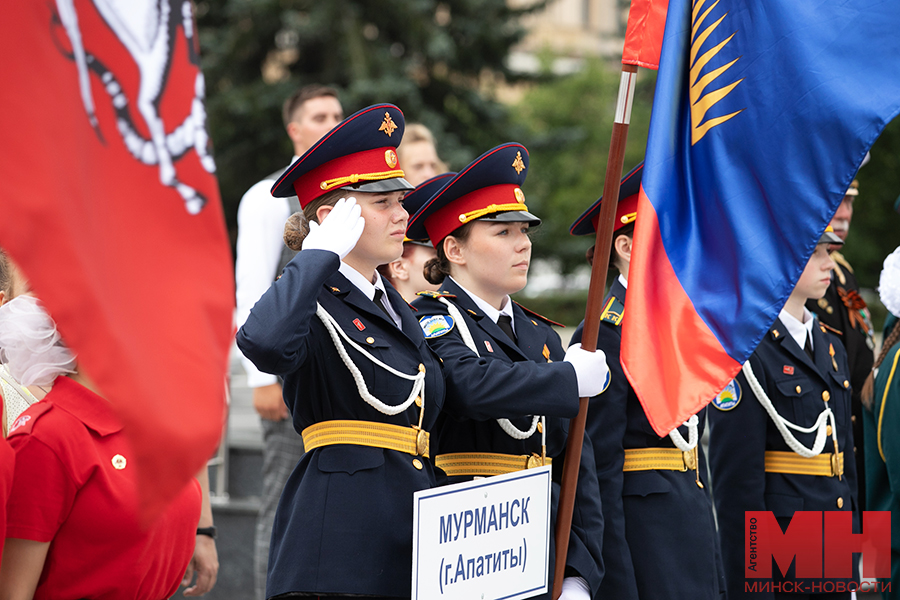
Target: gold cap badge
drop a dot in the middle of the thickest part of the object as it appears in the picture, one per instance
(388, 126)
(518, 164)
(520, 196)
(390, 157)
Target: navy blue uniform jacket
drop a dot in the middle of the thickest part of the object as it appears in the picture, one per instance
(344, 522)
(659, 539)
(740, 437)
(505, 382)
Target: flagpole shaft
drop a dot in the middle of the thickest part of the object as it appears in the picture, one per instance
(591, 330)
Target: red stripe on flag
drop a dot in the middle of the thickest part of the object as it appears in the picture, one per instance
(668, 353)
(643, 37)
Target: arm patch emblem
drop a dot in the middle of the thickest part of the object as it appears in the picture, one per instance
(436, 325)
(729, 397)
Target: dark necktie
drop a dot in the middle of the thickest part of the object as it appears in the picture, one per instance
(505, 324)
(379, 302)
(807, 347)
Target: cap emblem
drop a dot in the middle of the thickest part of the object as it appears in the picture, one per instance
(390, 158)
(518, 164)
(388, 126)
(520, 196)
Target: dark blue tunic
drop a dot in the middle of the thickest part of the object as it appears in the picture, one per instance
(344, 523)
(659, 539)
(504, 381)
(740, 437)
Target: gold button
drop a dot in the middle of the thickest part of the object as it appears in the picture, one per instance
(418, 400)
(840, 503)
(826, 396)
(853, 418)
(798, 389)
(846, 383)
(421, 368)
(828, 430)
(119, 462)
(370, 340)
(540, 427)
(417, 463)
(829, 310)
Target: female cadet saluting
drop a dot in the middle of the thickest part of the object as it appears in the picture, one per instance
(362, 385)
(780, 437)
(501, 360)
(654, 506)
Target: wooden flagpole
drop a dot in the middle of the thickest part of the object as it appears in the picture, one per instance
(599, 268)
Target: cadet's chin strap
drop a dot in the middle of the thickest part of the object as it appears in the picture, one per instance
(691, 443)
(505, 424)
(782, 424)
(418, 379)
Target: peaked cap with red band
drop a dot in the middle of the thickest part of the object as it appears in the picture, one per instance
(417, 198)
(359, 154)
(488, 189)
(626, 209)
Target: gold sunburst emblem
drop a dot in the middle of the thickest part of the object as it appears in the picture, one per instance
(701, 103)
(390, 157)
(518, 164)
(520, 196)
(388, 126)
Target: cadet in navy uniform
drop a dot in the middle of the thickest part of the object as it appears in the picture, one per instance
(659, 537)
(760, 461)
(362, 386)
(504, 363)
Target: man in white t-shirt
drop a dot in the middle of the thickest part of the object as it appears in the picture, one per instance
(309, 113)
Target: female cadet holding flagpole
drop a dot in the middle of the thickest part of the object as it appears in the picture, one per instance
(499, 358)
(362, 386)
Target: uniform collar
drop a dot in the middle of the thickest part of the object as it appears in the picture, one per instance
(621, 279)
(83, 404)
(368, 288)
(492, 313)
(797, 330)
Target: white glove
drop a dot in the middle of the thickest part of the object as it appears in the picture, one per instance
(339, 231)
(590, 369)
(575, 588)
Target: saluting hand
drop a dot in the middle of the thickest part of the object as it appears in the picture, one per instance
(339, 230)
(590, 370)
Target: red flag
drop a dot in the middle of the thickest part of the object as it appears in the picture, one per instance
(643, 36)
(110, 207)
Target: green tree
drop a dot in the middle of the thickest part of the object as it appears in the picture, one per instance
(568, 124)
(440, 62)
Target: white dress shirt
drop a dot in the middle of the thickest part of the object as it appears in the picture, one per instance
(368, 288)
(799, 331)
(260, 218)
(492, 313)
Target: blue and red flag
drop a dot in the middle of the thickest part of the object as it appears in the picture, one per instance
(762, 115)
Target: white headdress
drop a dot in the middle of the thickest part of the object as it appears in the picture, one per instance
(889, 283)
(30, 345)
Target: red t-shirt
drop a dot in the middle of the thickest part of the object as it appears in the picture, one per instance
(74, 487)
(7, 464)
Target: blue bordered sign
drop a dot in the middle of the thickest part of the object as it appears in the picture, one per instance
(488, 538)
(436, 326)
(729, 397)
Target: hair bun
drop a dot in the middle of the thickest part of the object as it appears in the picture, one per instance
(296, 228)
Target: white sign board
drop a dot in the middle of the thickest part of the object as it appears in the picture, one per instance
(486, 539)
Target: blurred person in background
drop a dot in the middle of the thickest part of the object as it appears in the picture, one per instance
(418, 155)
(308, 114)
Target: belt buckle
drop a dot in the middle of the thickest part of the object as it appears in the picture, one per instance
(533, 461)
(836, 467)
(422, 441)
(690, 460)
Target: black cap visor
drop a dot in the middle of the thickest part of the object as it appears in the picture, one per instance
(382, 186)
(829, 237)
(512, 216)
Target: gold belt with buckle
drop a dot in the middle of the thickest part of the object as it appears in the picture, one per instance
(485, 464)
(665, 459)
(823, 465)
(410, 440)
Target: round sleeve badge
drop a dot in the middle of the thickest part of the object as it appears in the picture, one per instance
(729, 397)
(436, 326)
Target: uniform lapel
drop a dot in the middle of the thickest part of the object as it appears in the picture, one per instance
(468, 306)
(531, 342)
(340, 286)
(789, 344)
(821, 351)
(408, 322)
